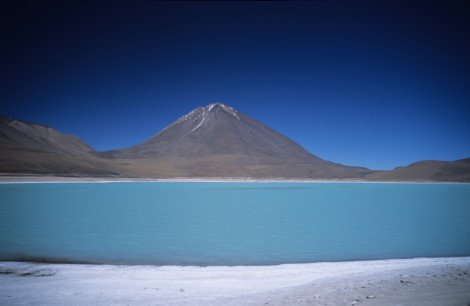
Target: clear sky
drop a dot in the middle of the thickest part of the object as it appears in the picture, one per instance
(365, 83)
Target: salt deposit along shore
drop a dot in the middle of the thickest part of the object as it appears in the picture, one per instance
(422, 281)
(62, 179)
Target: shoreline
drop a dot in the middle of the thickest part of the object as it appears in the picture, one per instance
(4, 179)
(64, 179)
(418, 281)
(67, 261)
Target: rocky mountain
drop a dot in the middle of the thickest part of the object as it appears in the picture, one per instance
(211, 141)
(218, 140)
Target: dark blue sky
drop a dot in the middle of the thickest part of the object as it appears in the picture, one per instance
(366, 83)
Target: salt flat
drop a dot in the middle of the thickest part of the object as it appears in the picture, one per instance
(422, 281)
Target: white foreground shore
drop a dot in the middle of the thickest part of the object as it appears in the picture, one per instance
(422, 281)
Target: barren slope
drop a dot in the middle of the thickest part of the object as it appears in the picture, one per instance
(427, 170)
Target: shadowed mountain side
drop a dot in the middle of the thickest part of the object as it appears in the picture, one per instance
(217, 140)
(40, 137)
(27, 147)
(428, 170)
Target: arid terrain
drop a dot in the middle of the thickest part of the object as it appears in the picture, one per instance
(209, 142)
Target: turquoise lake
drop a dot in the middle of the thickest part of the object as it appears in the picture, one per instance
(232, 223)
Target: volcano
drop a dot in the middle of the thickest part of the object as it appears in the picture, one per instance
(218, 140)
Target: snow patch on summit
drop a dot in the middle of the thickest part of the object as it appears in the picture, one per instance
(226, 108)
(204, 116)
(189, 116)
(192, 115)
(202, 113)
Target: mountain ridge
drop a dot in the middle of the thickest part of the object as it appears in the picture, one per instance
(211, 141)
(41, 137)
(27, 147)
(427, 170)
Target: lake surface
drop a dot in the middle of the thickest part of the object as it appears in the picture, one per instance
(232, 223)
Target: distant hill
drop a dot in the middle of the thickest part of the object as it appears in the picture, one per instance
(211, 141)
(40, 137)
(428, 170)
(27, 147)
